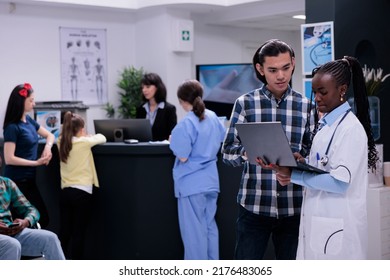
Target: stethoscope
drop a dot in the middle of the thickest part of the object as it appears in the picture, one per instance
(325, 159)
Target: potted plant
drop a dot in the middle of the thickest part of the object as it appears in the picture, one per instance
(130, 93)
(110, 110)
(373, 78)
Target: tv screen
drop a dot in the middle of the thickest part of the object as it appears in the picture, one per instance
(224, 83)
(118, 130)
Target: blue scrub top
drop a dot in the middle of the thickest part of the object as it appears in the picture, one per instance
(199, 141)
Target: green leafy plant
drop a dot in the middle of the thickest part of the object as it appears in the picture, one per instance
(130, 91)
(110, 110)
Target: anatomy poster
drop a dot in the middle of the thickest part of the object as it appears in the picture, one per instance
(83, 65)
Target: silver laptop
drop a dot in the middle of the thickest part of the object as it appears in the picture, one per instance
(268, 141)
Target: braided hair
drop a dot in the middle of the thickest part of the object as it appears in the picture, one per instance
(343, 71)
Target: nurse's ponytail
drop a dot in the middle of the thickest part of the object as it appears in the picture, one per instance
(191, 91)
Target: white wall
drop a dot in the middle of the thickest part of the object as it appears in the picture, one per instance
(154, 50)
(30, 50)
(237, 45)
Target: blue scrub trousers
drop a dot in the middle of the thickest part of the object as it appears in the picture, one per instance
(198, 228)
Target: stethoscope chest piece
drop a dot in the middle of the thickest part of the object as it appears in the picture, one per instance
(324, 160)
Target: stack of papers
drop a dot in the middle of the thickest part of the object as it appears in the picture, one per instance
(164, 142)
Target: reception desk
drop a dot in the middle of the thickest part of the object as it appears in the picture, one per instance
(134, 210)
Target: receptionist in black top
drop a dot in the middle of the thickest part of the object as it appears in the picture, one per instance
(162, 115)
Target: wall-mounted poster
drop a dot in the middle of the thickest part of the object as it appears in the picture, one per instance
(51, 120)
(307, 88)
(317, 45)
(83, 65)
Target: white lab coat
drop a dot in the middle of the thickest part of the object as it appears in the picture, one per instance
(334, 226)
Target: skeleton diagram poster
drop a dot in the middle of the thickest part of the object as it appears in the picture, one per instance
(83, 65)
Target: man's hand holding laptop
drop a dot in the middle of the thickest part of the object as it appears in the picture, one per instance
(283, 173)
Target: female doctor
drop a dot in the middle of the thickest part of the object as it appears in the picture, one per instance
(333, 218)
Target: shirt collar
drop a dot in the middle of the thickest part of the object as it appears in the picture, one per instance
(264, 90)
(160, 105)
(330, 118)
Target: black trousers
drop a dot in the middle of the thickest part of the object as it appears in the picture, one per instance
(75, 213)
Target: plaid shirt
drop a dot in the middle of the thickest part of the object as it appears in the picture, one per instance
(259, 191)
(12, 199)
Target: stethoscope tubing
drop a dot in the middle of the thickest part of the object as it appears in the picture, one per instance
(325, 159)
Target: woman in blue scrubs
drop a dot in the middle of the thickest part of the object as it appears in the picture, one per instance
(195, 141)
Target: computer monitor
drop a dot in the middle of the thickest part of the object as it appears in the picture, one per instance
(118, 130)
(230, 80)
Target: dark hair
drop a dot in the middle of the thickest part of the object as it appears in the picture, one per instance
(15, 106)
(154, 79)
(272, 47)
(191, 91)
(72, 123)
(343, 70)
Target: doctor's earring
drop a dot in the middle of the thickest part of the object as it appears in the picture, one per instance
(342, 97)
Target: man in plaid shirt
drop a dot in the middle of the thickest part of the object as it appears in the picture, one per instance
(16, 236)
(265, 207)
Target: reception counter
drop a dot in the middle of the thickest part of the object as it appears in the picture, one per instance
(135, 211)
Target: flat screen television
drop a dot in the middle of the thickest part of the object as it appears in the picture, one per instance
(118, 130)
(224, 83)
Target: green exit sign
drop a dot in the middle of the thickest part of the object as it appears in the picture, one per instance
(185, 35)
